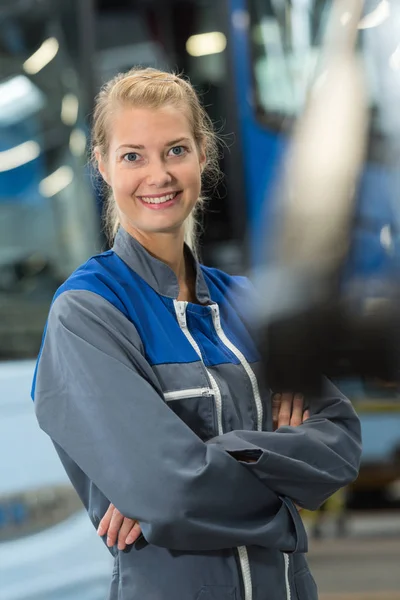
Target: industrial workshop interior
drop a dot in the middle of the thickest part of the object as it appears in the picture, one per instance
(304, 97)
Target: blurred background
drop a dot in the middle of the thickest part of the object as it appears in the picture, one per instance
(253, 62)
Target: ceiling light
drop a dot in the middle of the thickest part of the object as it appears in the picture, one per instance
(376, 17)
(57, 181)
(19, 155)
(77, 142)
(41, 57)
(69, 109)
(206, 43)
(19, 98)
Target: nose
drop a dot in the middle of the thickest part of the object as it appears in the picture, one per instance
(158, 174)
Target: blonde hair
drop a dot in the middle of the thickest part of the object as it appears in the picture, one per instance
(152, 88)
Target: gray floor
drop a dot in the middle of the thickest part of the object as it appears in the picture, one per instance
(365, 565)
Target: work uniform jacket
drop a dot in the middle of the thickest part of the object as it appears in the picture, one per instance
(153, 404)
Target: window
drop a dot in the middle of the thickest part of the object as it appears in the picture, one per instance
(48, 216)
(286, 41)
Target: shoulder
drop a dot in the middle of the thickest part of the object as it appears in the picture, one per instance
(99, 278)
(92, 302)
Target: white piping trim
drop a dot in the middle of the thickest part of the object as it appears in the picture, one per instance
(180, 309)
(218, 402)
(245, 364)
(287, 582)
(242, 550)
(189, 393)
(246, 573)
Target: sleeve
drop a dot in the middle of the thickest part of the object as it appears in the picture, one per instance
(97, 398)
(307, 463)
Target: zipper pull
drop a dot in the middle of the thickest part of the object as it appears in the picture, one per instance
(215, 316)
(180, 308)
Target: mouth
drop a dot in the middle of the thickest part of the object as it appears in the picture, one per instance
(161, 201)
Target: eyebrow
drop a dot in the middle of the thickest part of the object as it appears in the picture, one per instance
(140, 147)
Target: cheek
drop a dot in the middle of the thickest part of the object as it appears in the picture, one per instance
(192, 177)
(124, 183)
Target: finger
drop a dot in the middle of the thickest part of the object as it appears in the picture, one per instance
(285, 410)
(105, 521)
(297, 410)
(114, 527)
(276, 403)
(125, 528)
(134, 533)
(306, 415)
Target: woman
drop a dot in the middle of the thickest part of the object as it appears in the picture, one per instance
(146, 385)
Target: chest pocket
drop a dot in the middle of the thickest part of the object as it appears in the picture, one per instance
(196, 407)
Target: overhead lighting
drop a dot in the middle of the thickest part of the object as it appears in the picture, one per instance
(42, 56)
(19, 155)
(57, 181)
(69, 109)
(394, 60)
(19, 99)
(376, 17)
(77, 142)
(202, 44)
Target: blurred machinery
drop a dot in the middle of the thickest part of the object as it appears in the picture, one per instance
(318, 315)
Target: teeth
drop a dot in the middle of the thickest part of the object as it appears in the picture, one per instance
(159, 200)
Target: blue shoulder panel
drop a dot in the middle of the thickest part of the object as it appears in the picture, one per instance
(235, 296)
(153, 315)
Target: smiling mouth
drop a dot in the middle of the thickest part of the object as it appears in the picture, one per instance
(158, 199)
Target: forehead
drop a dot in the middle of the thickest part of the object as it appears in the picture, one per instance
(146, 126)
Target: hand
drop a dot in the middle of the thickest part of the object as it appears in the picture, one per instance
(288, 409)
(116, 526)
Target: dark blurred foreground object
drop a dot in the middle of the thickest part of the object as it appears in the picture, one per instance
(315, 318)
(334, 339)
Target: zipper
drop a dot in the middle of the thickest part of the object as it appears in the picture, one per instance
(287, 582)
(246, 573)
(189, 393)
(239, 355)
(180, 309)
(242, 550)
(244, 560)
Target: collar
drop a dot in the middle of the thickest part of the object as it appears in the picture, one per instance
(156, 273)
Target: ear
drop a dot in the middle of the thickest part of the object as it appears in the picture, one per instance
(101, 165)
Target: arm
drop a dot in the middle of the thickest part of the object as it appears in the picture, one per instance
(97, 398)
(307, 463)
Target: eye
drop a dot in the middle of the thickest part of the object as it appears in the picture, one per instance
(131, 156)
(178, 150)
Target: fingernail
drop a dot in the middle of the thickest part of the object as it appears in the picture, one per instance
(109, 542)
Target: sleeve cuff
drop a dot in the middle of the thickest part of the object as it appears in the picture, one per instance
(301, 534)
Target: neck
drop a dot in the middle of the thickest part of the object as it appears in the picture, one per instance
(167, 247)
